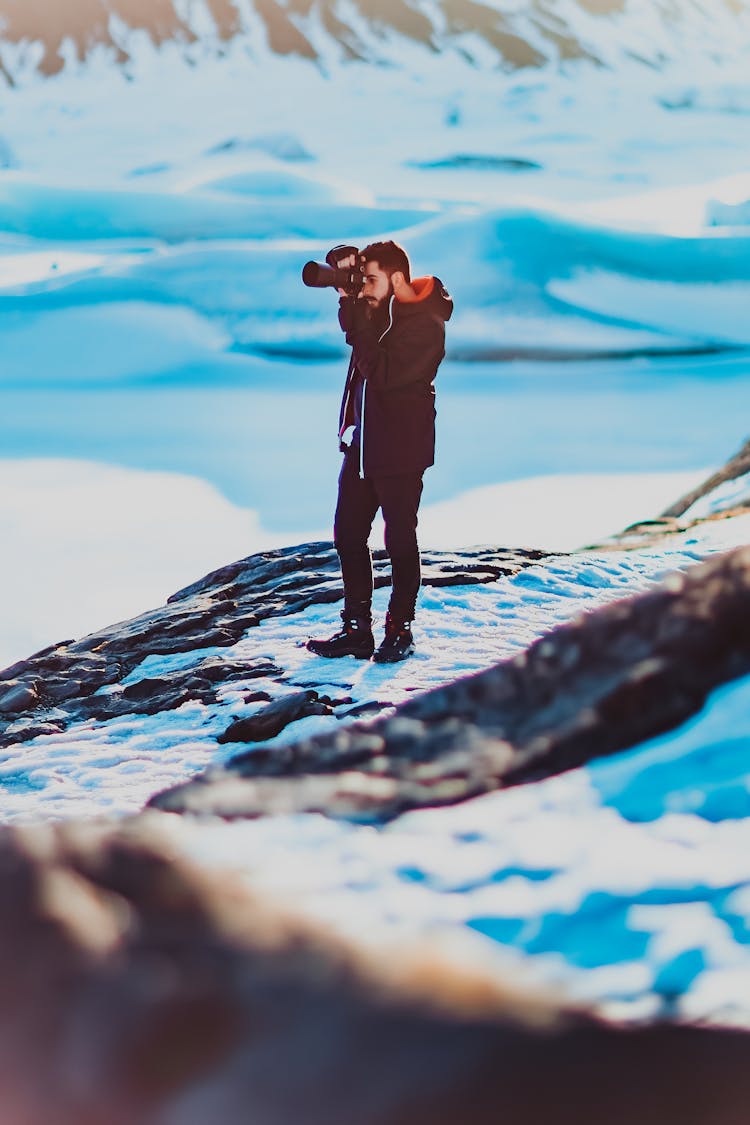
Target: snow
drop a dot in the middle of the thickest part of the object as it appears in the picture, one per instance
(67, 214)
(715, 309)
(560, 512)
(147, 520)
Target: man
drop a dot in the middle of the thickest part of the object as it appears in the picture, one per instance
(396, 329)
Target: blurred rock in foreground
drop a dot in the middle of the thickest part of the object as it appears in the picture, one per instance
(136, 988)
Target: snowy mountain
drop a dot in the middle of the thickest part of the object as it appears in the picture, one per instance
(48, 37)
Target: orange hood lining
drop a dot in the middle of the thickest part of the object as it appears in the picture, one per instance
(423, 287)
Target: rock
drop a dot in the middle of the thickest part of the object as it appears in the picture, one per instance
(15, 669)
(735, 467)
(256, 697)
(23, 730)
(59, 691)
(145, 689)
(20, 696)
(156, 694)
(607, 681)
(144, 989)
(271, 720)
(215, 612)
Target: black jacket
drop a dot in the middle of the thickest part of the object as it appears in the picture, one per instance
(398, 366)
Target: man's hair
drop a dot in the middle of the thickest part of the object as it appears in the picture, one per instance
(389, 256)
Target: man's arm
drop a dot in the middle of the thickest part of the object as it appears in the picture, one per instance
(409, 353)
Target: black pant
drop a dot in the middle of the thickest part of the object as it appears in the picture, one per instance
(358, 501)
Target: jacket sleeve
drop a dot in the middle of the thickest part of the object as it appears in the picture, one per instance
(351, 312)
(409, 353)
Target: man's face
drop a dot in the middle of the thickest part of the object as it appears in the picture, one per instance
(377, 287)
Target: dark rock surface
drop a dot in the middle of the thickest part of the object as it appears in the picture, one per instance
(19, 696)
(137, 988)
(271, 720)
(83, 679)
(599, 684)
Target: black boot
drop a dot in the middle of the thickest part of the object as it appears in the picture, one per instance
(354, 639)
(398, 642)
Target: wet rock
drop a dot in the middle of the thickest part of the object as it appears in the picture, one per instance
(256, 697)
(156, 694)
(20, 665)
(145, 689)
(602, 683)
(144, 989)
(19, 696)
(23, 730)
(59, 691)
(271, 720)
(336, 701)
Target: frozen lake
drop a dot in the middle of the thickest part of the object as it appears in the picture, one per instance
(270, 444)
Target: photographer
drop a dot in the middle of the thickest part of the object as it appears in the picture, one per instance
(396, 330)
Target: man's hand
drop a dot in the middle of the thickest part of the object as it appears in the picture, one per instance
(401, 288)
(345, 264)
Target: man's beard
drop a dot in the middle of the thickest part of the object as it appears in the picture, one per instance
(377, 308)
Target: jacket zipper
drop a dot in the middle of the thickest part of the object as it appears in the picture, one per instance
(364, 395)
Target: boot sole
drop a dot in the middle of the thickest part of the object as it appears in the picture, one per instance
(340, 655)
(379, 658)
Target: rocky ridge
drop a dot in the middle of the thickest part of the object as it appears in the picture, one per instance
(88, 678)
(44, 37)
(735, 468)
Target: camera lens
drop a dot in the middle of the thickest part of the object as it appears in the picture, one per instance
(310, 274)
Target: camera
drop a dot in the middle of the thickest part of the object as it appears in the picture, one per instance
(350, 278)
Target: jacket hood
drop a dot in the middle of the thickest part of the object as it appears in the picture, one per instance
(430, 294)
